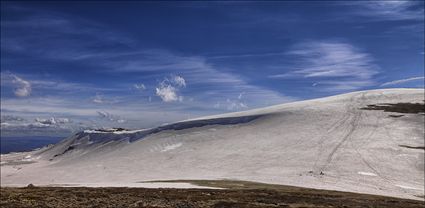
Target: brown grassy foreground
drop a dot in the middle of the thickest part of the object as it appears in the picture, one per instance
(239, 194)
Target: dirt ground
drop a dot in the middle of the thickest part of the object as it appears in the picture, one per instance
(398, 107)
(237, 194)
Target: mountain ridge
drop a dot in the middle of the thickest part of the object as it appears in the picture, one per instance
(327, 143)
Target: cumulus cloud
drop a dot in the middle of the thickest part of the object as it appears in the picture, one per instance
(167, 90)
(167, 93)
(50, 121)
(53, 121)
(401, 81)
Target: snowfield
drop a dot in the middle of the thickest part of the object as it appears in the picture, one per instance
(327, 143)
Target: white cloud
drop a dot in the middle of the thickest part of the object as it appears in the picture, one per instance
(210, 84)
(240, 95)
(388, 10)
(179, 81)
(231, 105)
(167, 90)
(39, 126)
(332, 59)
(50, 121)
(140, 86)
(8, 118)
(401, 81)
(63, 120)
(167, 93)
(53, 121)
(98, 99)
(110, 117)
(22, 87)
(103, 114)
(195, 70)
(33, 129)
(343, 85)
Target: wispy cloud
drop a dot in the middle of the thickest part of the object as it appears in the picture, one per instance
(204, 77)
(8, 118)
(54, 37)
(98, 99)
(140, 86)
(21, 87)
(125, 58)
(247, 55)
(119, 54)
(110, 117)
(324, 60)
(231, 105)
(342, 85)
(401, 81)
(69, 37)
(101, 99)
(389, 10)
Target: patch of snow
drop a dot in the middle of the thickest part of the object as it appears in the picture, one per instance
(128, 132)
(92, 131)
(409, 187)
(405, 155)
(171, 147)
(367, 173)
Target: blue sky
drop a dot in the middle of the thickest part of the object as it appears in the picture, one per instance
(70, 66)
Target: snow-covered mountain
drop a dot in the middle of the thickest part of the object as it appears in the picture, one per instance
(340, 142)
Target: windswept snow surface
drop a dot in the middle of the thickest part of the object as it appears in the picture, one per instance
(327, 143)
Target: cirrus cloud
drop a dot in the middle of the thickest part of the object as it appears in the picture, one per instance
(324, 61)
(401, 81)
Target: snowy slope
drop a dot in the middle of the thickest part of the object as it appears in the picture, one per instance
(327, 143)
